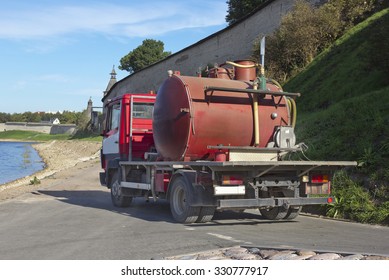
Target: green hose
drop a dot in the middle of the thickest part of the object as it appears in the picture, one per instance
(275, 82)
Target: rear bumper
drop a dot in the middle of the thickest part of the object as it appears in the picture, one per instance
(270, 202)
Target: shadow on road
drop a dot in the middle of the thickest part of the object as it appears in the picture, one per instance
(150, 210)
(229, 217)
(140, 208)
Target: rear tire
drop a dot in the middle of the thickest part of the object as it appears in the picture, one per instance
(206, 214)
(275, 213)
(181, 210)
(293, 212)
(117, 197)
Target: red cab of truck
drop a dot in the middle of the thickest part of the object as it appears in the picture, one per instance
(127, 136)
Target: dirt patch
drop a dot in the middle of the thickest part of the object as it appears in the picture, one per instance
(58, 156)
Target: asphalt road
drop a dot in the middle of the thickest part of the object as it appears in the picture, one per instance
(71, 217)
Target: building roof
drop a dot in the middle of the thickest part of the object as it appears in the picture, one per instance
(112, 81)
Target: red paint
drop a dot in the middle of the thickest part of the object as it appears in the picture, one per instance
(245, 74)
(142, 135)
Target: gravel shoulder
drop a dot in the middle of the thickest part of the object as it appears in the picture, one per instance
(58, 155)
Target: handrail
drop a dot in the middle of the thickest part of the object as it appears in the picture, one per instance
(255, 91)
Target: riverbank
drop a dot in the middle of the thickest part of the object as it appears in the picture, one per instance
(58, 155)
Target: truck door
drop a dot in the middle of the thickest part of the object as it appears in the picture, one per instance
(112, 132)
(141, 134)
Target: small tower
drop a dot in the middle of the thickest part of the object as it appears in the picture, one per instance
(112, 81)
(89, 109)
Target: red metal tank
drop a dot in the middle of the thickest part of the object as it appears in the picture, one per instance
(187, 119)
(221, 73)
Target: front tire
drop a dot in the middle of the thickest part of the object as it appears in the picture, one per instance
(117, 197)
(179, 203)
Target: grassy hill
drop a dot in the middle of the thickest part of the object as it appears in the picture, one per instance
(343, 114)
(344, 108)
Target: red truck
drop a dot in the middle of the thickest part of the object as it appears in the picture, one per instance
(212, 143)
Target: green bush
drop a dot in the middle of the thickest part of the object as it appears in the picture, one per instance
(353, 202)
(35, 181)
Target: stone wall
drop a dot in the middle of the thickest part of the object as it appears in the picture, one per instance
(39, 127)
(232, 43)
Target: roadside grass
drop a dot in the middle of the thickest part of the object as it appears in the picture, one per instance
(347, 129)
(31, 136)
(39, 137)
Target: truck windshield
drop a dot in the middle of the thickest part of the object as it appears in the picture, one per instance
(142, 110)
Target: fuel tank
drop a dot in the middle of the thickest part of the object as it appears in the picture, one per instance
(188, 118)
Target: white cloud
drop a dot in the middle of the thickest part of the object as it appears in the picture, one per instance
(134, 20)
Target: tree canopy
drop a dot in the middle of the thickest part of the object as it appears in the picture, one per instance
(149, 52)
(307, 30)
(240, 8)
(66, 117)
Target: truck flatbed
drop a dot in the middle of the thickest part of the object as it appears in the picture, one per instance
(274, 166)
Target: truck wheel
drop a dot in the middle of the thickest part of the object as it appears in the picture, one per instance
(293, 212)
(182, 212)
(206, 214)
(275, 213)
(118, 199)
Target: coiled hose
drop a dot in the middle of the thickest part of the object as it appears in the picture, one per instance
(292, 108)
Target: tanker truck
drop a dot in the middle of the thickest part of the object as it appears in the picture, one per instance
(206, 144)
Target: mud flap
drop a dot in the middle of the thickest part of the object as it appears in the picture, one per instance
(199, 195)
(103, 181)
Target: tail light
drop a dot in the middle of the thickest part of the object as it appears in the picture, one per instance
(231, 180)
(319, 179)
(317, 184)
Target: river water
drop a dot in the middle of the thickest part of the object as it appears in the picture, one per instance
(17, 160)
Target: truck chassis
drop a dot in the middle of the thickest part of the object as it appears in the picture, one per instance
(197, 189)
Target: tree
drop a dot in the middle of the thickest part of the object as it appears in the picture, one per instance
(350, 13)
(31, 117)
(302, 34)
(4, 117)
(149, 52)
(237, 9)
(306, 31)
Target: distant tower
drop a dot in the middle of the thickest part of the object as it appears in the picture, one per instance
(112, 81)
(89, 109)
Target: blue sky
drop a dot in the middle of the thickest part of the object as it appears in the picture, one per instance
(54, 55)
